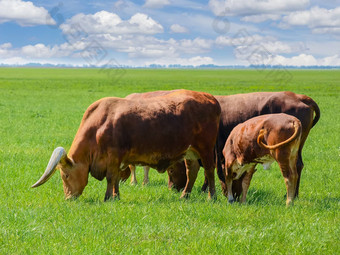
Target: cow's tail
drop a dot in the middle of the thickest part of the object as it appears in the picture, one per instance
(262, 133)
(311, 103)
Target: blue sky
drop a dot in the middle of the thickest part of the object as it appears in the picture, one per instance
(165, 32)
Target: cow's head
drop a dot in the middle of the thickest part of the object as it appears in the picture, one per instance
(74, 175)
(177, 176)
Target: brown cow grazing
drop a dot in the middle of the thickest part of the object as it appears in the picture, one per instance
(157, 132)
(241, 107)
(263, 139)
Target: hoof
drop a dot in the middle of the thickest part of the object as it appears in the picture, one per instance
(108, 199)
(212, 197)
(289, 203)
(111, 198)
(204, 188)
(185, 196)
(231, 201)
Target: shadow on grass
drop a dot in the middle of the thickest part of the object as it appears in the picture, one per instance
(261, 197)
(255, 197)
(328, 202)
(153, 183)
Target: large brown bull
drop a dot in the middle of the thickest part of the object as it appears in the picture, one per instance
(157, 132)
(241, 107)
(263, 139)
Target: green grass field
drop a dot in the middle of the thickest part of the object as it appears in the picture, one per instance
(41, 109)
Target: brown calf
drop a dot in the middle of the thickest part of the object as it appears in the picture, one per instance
(263, 139)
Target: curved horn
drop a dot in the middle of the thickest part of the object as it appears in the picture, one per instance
(58, 154)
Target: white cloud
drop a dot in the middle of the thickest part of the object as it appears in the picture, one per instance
(198, 45)
(193, 61)
(243, 38)
(42, 51)
(24, 13)
(300, 60)
(176, 28)
(245, 45)
(331, 61)
(109, 32)
(327, 30)
(4, 48)
(139, 48)
(150, 47)
(156, 3)
(109, 23)
(322, 48)
(261, 18)
(14, 61)
(267, 50)
(255, 7)
(320, 20)
(38, 51)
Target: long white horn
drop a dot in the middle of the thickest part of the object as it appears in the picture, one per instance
(58, 154)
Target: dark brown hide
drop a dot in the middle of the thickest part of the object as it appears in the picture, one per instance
(177, 176)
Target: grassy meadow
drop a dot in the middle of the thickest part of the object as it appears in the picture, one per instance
(40, 109)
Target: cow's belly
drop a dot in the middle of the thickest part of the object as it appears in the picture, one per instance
(191, 154)
(266, 161)
(238, 169)
(158, 161)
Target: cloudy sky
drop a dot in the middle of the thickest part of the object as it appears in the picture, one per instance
(187, 32)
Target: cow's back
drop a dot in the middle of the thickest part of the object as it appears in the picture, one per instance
(243, 140)
(241, 107)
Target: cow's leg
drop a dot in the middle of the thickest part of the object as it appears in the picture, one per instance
(146, 175)
(205, 185)
(219, 161)
(245, 184)
(220, 171)
(112, 191)
(192, 168)
(299, 167)
(229, 186)
(299, 162)
(133, 175)
(237, 187)
(209, 168)
(290, 176)
(170, 182)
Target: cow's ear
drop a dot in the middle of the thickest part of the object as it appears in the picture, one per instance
(66, 162)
